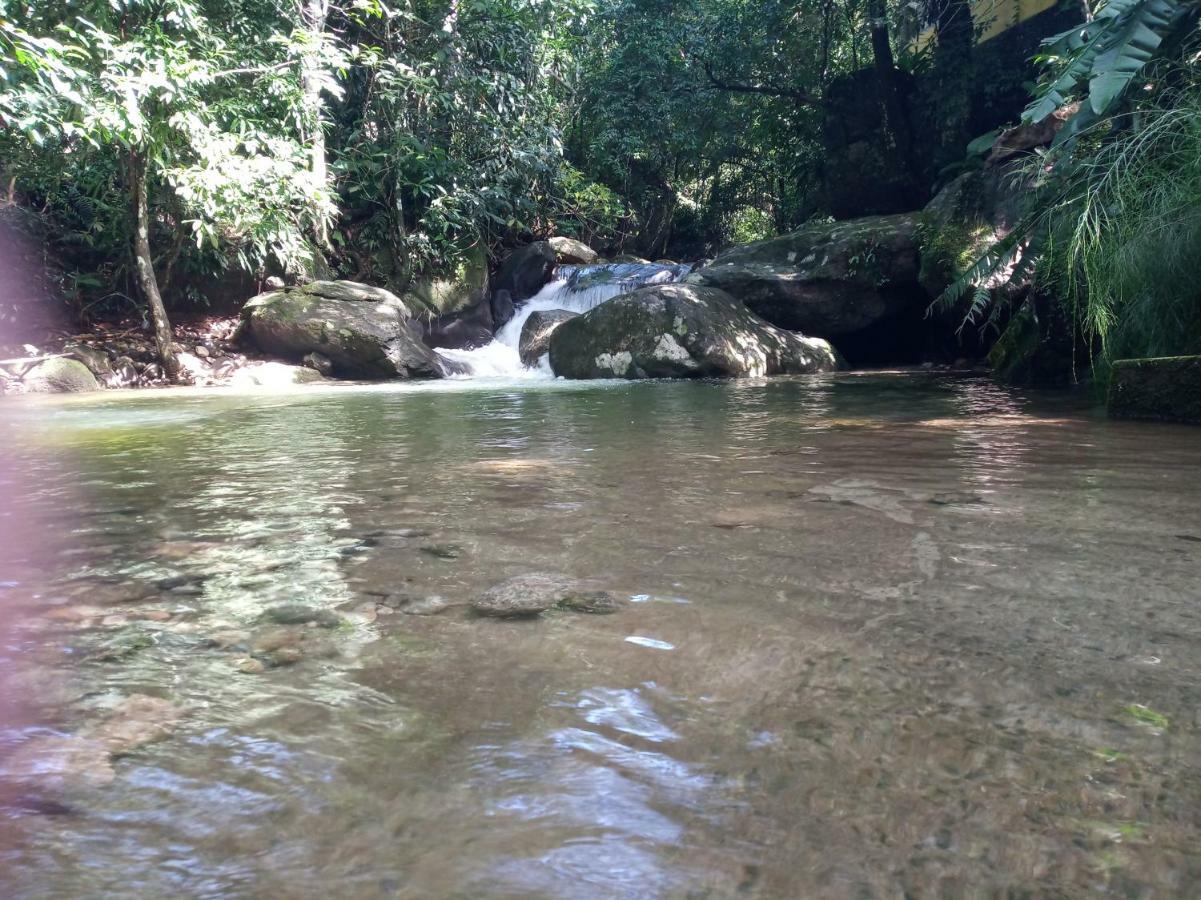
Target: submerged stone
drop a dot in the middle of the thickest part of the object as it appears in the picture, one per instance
(596, 602)
(522, 597)
(299, 614)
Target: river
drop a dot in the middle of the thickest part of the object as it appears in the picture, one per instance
(885, 634)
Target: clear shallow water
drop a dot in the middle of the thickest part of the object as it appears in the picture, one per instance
(888, 634)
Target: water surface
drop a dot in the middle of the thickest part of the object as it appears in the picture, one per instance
(891, 634)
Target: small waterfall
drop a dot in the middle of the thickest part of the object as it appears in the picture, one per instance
(575, 288)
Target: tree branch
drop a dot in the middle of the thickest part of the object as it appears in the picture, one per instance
(768, 90)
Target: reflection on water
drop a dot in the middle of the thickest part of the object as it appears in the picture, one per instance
(885, 635)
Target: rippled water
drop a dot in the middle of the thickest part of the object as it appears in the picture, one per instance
(888, 635)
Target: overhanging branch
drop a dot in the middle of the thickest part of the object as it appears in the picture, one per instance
(767, 90)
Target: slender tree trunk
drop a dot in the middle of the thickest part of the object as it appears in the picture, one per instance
(953, 76)
(315, 13)
(144, 263)
(896, 113)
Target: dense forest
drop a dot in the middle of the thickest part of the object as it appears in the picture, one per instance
(164, 145)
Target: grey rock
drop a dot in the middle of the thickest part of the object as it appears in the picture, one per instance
(526, 270)
(523, 596)
(60, 376)
(573, 252)
(825, 279)
(536, 332)
(681, 331)
(427, 606)
(319, 362)
(299, 614)
(596, 602)
(364, 331)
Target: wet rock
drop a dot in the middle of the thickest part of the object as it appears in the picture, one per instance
(526, 270)
(319, 362)
(60, 376)
(1165, 389)
(427, 606)
(250, 666)
(59, 762)
(299, 614)
(681, 331)
(443, 551)
(536, 333)
(96, 360)
(122, 646)
(573, 252)
(288, 646)
(825, 279)
(597, 602)
(229, 639)
(138, 720)
(502, 308)
(523, 596)
(124, 373)
(274, 375)
(364, 331)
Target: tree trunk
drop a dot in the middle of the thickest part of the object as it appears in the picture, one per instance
(896, 113)
(315, 13)
(144, 264)
(953, 75)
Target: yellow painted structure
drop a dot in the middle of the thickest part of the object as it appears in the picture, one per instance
(991, 17)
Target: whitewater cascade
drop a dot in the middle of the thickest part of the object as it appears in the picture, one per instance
(574, 288)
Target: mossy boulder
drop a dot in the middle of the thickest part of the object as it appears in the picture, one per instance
(1166, 389)
(462, 288)
(364, 331)
(1035, 347)
(964, 219)
(681, 331)
(59, 375)
(828, 278)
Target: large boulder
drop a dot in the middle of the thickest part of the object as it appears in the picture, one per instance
(573, 252)
(681, 331)
(970, 214)
(536, 332)
(59, 375)
(364, 331)
(462, 288)
(526, 270)
(827, 279)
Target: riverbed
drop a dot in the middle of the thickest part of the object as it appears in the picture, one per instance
(881, 635)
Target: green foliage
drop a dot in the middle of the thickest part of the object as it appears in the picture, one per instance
(210, 105)
(1098, 61)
